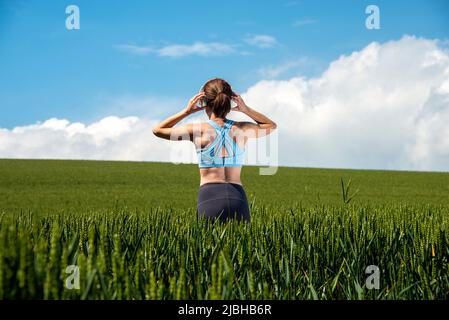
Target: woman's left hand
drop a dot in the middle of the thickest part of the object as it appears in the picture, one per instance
(192, 106)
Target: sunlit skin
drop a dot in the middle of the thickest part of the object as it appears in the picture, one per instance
(202, 134)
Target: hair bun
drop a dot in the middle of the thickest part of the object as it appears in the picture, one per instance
(220, 93)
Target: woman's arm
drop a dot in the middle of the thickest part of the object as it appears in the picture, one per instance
(263, 125)
(166, 129)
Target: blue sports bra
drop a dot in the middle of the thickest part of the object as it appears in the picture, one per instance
(211, 155)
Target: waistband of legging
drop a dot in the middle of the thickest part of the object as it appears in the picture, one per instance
(221, 183)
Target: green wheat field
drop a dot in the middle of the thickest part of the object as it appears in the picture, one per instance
(131, 231)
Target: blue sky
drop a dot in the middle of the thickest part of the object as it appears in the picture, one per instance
(47, 71)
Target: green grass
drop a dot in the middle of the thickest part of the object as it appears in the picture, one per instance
(61, 186)
(132, 230)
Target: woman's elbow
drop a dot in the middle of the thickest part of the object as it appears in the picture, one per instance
(156, 131)
(273, 126)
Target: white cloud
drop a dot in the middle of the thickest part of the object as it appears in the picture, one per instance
(277, 70)
(304, 22)
(111, 138)
(385, 106)
(198, 48)
(261, 41)
(134, 49)
(128, 138)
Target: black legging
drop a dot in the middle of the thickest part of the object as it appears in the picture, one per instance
(223, 201)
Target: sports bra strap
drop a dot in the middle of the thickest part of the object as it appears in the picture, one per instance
(214, 125)
(211, 155)
(228, 124)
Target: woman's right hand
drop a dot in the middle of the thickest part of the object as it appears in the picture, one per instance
(241, 105)
(192, 105)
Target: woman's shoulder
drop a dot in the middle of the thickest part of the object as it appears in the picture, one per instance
(241, 124)
(236, 123)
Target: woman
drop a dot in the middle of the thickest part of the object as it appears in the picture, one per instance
(220, 145)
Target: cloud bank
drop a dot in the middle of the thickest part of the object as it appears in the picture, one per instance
(386, 106)
(114, 138)
(383, 107)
